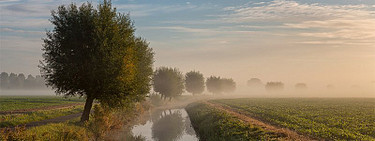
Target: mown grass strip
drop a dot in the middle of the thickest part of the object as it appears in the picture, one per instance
(11, 120)
(214, 125)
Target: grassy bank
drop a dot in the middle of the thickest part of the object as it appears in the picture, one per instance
(327, 118)
(10, 120)
(214, 125)
(102, 121)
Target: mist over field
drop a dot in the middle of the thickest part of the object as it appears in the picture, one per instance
(327, 45)
(167, 70)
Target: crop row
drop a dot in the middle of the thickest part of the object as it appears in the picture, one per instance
(333, 119)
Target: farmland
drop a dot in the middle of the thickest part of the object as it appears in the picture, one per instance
(9, 103)
(20, 110)
(214, 125)
(322, 118)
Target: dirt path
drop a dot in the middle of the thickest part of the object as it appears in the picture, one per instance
(47, 121)
(290, 135)
(54, 120)
(23, 111)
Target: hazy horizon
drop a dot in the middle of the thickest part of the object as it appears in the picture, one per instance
(320, 43)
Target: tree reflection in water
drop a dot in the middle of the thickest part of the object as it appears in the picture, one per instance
(169, 127)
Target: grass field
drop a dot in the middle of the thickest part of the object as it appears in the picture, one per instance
(10, 120)
(9, 103)
(327, 118)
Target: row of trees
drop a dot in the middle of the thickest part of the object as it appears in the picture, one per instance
(170, 82)
(257, 83)
(19, 81)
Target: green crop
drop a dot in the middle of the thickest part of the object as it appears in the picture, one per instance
(326, 118)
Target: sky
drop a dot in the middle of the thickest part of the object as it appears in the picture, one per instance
(318, 42)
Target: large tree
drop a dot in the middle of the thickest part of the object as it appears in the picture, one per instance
(194, 82)
(169, 82)
(94, 53)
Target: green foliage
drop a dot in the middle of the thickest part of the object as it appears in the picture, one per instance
(169, 82)
(218, 85)
(56, 131)
(94, 52)
(214, 125)
(194, 82)
(9, 103)
(10, 120)
(327, 118)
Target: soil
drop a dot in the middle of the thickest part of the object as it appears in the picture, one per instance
(289, 134)
(54, 120)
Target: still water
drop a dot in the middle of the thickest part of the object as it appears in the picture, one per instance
(163, 125)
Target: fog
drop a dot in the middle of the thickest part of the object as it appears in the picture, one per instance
(24, 92)
(317, 43)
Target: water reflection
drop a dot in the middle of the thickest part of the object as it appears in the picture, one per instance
(166, 125)
(169, 127)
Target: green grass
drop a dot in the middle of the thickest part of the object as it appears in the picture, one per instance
(327, 118)
(214, 125)
(9, 103)
(70, 130)
(10, 120)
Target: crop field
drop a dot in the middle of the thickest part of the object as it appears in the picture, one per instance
(9, 103)
(20, 110)
(214, 125)
(323, 118)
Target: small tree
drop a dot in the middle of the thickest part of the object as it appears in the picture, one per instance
(168, 82)
(301, 86)
(274, 86)
(94, 53)
(218, 85)
(13, 81)
(213, 84)
(254, 82)
(194, 82)
(21, 80)
(4, 80)
(228, 85)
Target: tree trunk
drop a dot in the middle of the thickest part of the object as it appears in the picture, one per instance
(87, 109)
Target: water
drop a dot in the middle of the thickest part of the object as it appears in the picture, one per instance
(162, 125)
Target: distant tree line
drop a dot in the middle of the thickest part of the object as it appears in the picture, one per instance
(20, 81)
(170, 82)
(273, 85)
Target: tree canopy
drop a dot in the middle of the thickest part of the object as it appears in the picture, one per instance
(20, 82)
(94, 53)
(217, 85)
(301, 86)
(194, 82)
(274, 86)
(169, 82)
(254, 82)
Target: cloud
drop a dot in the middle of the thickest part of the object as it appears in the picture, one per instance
(283, 10)
(20, 31)
(142, 10)
(313, 23)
